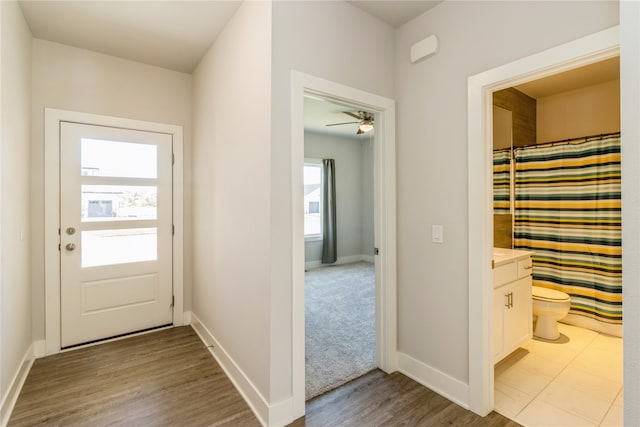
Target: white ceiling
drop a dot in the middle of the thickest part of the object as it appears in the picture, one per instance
(170, 34)
(395, 12)
(318, 113)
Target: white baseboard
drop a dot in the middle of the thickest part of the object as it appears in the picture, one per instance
(433, 379)
(341, 260)
(10, 398)
(275, 415)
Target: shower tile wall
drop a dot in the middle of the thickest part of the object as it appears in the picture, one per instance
(523, 132)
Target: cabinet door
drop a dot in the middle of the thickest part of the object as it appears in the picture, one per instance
(517, 318)
(499, 300)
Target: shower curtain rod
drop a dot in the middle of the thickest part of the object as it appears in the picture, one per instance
(567, 141)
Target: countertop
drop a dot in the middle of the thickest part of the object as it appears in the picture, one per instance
(503, 256)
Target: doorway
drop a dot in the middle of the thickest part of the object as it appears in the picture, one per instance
(588, 50)
(383, 110)
(340, 281)
(113, 235)
(565, 154)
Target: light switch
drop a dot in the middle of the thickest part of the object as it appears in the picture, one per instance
(437, 234)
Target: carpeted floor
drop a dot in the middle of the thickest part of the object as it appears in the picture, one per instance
(340, 342)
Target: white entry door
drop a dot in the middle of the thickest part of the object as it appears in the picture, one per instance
(115, 231)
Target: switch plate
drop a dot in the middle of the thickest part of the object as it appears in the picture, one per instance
(437, 234)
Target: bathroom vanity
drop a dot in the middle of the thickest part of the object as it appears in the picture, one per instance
(512, 317)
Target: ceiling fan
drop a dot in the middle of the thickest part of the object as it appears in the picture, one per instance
(365, 120)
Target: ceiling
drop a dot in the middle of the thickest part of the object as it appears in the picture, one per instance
(578, 78)
(319, 112)
(172, 34)
(395, 13)
(169, 34)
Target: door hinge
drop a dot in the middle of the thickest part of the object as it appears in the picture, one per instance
(173, 159)
(59, 247)
(173, 229)
(376, 251)
(173, 300)
(493, 264)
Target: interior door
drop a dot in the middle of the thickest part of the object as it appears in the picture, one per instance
(115, 231)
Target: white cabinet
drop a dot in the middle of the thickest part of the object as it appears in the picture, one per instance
(512, 320)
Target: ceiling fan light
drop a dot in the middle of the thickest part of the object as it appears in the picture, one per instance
(360, 132)
(366, 126)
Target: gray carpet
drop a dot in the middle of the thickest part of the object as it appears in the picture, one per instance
(340, 342)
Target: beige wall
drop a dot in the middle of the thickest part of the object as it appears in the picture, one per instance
(587, 111)
(75, 79)
(432, 151)
(231, 184)
(15, 286)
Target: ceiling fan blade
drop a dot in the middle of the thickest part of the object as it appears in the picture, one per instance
(355, 115)
(338, 124)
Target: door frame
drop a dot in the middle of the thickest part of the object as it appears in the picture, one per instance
(53, 117)
(586, 50)
(384, 222)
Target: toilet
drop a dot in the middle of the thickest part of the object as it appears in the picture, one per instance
(549, 306)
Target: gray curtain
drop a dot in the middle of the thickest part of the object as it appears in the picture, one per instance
(329, 245)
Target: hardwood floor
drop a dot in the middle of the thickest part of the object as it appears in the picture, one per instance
(169, 378)
(164, 378)
(378, 399)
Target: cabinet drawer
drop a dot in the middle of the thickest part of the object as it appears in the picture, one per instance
(525, 267)
(504, 274)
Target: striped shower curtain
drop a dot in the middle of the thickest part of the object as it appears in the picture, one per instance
(501, 181)
(568, 211)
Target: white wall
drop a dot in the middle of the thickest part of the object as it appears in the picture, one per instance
(324, 39)
(15, 284)
(351, 192)
(630, 128)
(75, 79)
(231, 188)
(432, 152)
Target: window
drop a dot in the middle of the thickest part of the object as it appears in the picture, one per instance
(313, 199)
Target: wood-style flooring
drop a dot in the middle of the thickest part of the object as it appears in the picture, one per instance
(169, 378)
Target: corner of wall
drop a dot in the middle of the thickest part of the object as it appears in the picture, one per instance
(278, 414)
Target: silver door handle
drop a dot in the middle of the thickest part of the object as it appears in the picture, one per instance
(70, 246)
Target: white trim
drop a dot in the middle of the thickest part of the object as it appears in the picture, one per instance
(53, 117)
(446, 386)
(277, 414)
(15, 386)
(309, 265)
(385, 220)
(586, 50)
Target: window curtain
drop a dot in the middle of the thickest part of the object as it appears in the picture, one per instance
(501, 181)
(568, 211)
(329, 243)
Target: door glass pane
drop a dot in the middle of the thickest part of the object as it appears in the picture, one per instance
(118, 159)
(118, 202)
(107, 247)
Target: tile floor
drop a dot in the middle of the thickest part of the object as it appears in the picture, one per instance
(575, 381)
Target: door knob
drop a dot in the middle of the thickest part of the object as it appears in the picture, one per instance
(70, 246)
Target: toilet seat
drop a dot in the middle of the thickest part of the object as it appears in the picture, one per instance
(546, 294)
